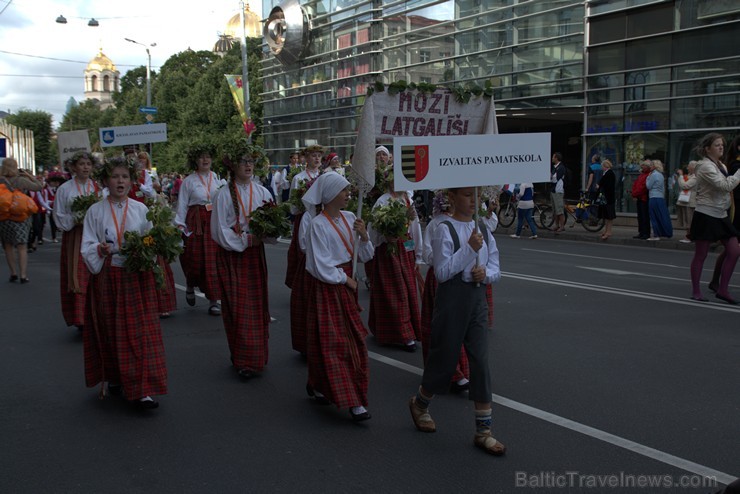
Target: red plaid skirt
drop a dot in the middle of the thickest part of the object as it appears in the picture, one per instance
(337, 352)
(294, 253)
(123, 339)
(427, 309)
(244, 306)
(166, 296)
(394, 303)
(298, 306)
(198, 260)
(73, 303)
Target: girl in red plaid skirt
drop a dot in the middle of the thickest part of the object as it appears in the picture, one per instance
(337, 353)
(394, 317)
(123, 339)
(296, 255)
(194, 207)
(74, 276)
(242, 268)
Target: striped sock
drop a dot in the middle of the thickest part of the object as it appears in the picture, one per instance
(421, 400)
(483, 421)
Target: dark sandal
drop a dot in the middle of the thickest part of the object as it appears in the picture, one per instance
(190, 298)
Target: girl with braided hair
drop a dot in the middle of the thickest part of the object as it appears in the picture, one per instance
(241, 265)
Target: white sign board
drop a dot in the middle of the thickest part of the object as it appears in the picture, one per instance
(469, 161)
(133, 134)
(71, 142)
(386, 116)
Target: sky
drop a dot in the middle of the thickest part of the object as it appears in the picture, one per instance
(42, 62)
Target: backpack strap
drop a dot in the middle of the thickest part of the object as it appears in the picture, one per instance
(8, 185)
(456, 239)
(453, 234)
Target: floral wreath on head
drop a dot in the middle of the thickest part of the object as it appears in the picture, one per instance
(257, 153)
(313, 148)
(198, 149)
(102, 171)
(440, 202)
(80, 155)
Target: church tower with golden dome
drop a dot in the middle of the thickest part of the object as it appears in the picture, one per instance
(101, 80)
(234, 31)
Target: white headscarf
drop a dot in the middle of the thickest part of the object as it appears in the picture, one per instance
(323, 191)
(383, 149)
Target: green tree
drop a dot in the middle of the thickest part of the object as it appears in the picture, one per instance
(88, 116)
(39, 122)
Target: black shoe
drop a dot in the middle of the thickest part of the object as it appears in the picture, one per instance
(25, 280)
(411, 348)
(190, 298)
(147, 404)
(320, 399)
(360, 417)
(727, 299)
(247, 374)
(459, 388)
(713, 287)
(115, 389)
(13, 278)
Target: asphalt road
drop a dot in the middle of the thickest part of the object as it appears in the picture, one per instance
(605, 374)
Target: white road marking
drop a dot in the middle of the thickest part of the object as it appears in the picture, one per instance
(632, 273)
(610, 259)
(626, 293)
(600, 435)
(620, 442)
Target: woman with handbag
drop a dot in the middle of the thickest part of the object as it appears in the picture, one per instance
(606, 188)
(14, 233)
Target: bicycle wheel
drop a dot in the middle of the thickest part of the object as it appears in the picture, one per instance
(544, 218)
(507, 215)
(547, 218)
(591, 220)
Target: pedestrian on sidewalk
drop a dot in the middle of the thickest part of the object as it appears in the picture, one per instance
(524, 209)
(463, 270)
(659, 217)
(14, 234)
(640, 194)
(607, 186)
(711, 222)
(686, 200)
(557, 191)
(123, 339)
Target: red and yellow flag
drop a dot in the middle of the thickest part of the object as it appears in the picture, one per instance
(236, 85)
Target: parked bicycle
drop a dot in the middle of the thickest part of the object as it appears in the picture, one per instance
(584, 212)
(508, 206)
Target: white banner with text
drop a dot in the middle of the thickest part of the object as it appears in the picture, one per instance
(133, 134)
(428, 163)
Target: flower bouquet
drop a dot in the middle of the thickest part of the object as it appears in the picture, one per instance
(391, 221)
(270, 221)
(163, 240)
(141, 255)
(297, 194)
(81, 204)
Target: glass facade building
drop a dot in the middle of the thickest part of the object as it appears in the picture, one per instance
(624, 78)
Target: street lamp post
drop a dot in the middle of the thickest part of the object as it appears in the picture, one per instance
(245, 71)
(148, 69)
